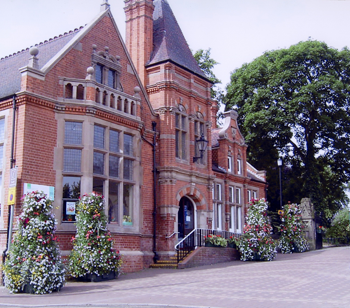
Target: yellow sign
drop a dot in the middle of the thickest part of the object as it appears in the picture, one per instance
(12, 196)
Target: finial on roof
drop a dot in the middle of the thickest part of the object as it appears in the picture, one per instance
(104, 6)
(90, 73)
(33, 60)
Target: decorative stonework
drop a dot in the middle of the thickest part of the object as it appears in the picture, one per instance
(308, 217)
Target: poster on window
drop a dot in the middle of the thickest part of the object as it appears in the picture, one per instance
(70, 208)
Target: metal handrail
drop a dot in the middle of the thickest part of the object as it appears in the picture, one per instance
(172, 234)
(185, 238)
(197, 238)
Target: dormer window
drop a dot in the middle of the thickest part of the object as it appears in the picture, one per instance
(111, 79)
(107, 68)
(99, 73)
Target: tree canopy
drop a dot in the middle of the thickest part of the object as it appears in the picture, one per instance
(295, 102)
(206, 63)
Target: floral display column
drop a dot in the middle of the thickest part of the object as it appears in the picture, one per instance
(93, 258)
(34, 262)
(256, 243)
(292, 236)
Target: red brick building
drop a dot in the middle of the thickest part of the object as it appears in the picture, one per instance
(85, 111)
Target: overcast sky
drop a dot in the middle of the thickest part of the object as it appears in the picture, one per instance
(237, 31)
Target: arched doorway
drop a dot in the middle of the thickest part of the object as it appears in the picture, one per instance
(185, 217)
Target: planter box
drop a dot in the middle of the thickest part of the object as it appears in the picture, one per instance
(231, 245)
(98, 278)
(212, 245)
(28, 288)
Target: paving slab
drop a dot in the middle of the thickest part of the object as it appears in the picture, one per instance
(318, 278)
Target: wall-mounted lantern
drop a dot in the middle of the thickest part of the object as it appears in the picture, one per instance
(201, 145)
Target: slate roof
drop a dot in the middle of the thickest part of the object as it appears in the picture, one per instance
(10, 77)
(253, 177)
(215, 137)
(169, 42)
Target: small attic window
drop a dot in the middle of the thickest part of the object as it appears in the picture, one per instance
(99, 73)
(111, 79)
(107, 68)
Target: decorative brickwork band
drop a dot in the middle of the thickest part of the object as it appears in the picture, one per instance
(193, 192)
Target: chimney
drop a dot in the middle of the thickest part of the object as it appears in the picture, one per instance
(139, 33)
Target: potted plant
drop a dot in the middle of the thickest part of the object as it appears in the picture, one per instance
(232, 241)
(292, 236)
(256, 244)
(33, 264)
(93, 257)
(213, 240)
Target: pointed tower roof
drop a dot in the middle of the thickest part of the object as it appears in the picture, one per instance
(169, 42)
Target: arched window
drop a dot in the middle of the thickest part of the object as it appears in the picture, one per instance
(126, 106)
(97, 98)
(104, 98)
(69, 91)
(80, 92)
(112, 101)
(120, 103)
(133, 108)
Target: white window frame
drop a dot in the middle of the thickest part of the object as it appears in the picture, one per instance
(233, 219)
(217, 207)
(229, 163)
(238, 192)
(239, 166)
(231, 191)
(239, 219)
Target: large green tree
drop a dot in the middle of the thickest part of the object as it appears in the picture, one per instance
(207, 63)
(295, 103)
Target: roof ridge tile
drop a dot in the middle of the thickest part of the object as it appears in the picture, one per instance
(43, 43)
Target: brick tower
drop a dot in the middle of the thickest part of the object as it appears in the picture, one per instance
(139, 32)
(180, 93)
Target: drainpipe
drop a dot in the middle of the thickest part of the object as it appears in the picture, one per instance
(11, 207)
(154, 213)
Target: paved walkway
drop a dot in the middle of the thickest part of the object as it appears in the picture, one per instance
(313, 279)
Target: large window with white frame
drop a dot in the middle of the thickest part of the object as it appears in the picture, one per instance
(235, 223)
(72, 156)
(113, 163)
(181, 128)
(217, 206)
(116, 181)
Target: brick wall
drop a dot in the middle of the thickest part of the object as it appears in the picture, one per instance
(208, 256)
